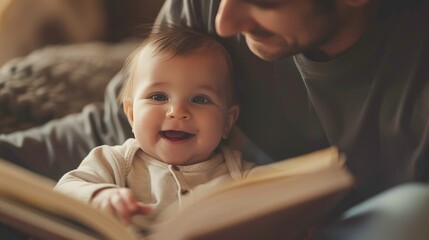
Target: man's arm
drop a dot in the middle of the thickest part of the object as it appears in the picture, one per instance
(60, 145)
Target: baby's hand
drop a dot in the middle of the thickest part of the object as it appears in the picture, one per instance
(120, 202)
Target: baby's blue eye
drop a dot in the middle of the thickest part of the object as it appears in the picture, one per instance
(201, 100)
(161, 97)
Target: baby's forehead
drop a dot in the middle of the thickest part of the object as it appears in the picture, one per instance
(210, 65)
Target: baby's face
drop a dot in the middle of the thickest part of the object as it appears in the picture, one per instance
(180, 107)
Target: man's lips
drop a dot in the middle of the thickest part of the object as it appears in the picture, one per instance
(174, 135)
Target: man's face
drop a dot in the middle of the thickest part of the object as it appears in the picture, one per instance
(278, 28)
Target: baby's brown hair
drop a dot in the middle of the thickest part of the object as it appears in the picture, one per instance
(172, 41)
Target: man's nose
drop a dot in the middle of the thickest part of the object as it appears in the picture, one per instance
(178, 111)
(233, 17)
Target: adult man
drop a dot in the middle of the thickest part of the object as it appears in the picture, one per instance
(357, 80)
(366, 84)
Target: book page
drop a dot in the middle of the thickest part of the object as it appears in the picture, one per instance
(285, 197)
(39, 223)
(35, 191)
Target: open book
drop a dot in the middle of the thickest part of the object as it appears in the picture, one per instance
(278, 200)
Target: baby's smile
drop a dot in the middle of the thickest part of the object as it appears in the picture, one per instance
(174, 135)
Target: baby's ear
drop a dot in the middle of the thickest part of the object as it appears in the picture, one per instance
(128, 110)
(232, 117)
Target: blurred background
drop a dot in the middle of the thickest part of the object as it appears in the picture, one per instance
(56, 56)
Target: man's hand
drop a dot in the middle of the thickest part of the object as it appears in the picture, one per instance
(120, 202)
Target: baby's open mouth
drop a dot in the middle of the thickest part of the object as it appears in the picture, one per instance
(175, 135)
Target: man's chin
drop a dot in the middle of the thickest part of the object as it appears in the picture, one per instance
(265, 53)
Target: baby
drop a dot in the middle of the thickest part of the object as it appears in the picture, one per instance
(179, 100)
